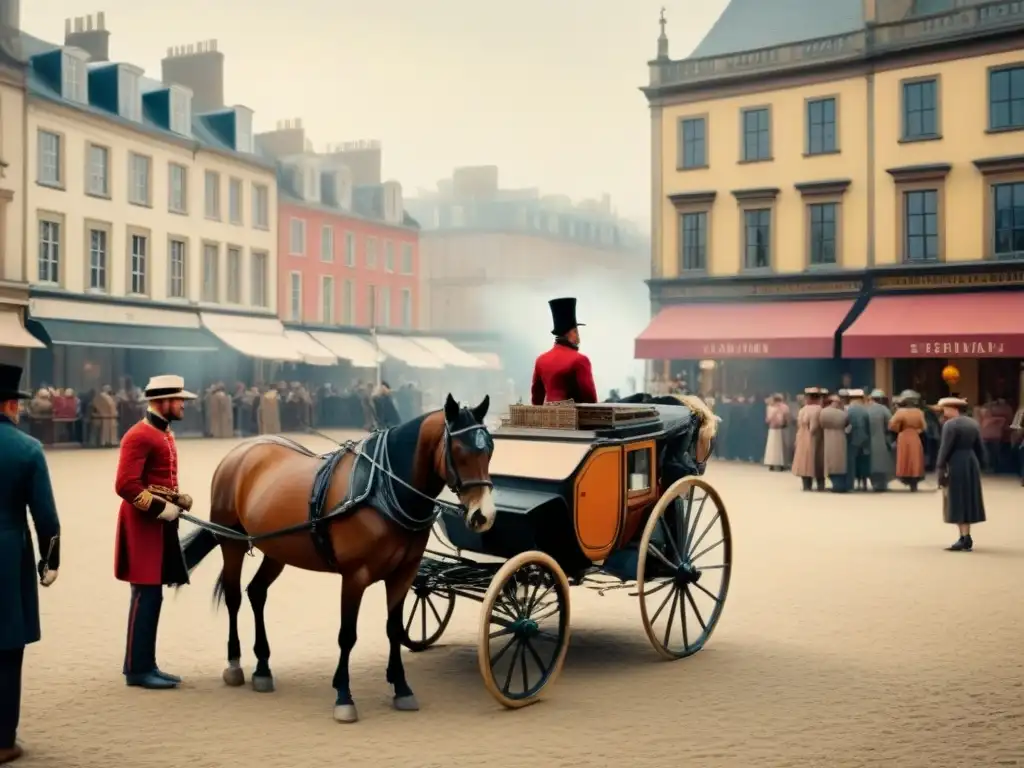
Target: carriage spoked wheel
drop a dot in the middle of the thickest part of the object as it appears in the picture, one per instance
(684, 566)
(524, 629)
(426, 614)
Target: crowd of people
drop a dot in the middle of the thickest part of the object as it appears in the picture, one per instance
(100, 418)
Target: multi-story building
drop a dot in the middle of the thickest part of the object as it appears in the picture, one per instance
(151, 221)
(477, 237)
(348, 252)
(843, 191)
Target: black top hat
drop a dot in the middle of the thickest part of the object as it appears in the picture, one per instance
(10, 378)
(563, 316)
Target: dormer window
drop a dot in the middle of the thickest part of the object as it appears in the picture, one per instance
(312, 185)
(181, 112)
(75, 75)
(129, 94)
(243, 130)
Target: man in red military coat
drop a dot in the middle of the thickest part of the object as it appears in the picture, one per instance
(148, 554)
(562, 373)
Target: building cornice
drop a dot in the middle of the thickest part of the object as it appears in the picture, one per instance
(867, 47)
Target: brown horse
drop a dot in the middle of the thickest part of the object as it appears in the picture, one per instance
(377, 507)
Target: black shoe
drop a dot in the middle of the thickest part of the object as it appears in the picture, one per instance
(963, 544)
(167, 676)
(151, 681)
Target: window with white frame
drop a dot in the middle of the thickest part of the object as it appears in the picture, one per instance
(350, 249)
(181, 112)
(49, 251)
(98, 257)
(129, 96)
(176, 253)
(98, 178)
(177, 188)
(51, 170)
(235, 201)
(211, 272)
(140, 172)
(385, 307)
(212, 189)
(260, 206)
(406, 258)
(389, 256)
(297, 237)
(327, 300)
(327, 243)
(74, 77)
(371, 253)
(139, 256)
(258, 279)
(406, 309)
(234, 275)
(348, 300)
(295, 297)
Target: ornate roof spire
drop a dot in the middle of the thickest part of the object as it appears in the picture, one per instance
(662, 38)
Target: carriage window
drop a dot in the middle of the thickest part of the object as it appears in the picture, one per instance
(638, 469)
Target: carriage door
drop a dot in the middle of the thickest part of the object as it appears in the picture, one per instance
(598, 507)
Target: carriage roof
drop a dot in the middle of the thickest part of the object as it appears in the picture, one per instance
(651, 422)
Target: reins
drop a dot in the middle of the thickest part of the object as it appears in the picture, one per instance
(454, 483)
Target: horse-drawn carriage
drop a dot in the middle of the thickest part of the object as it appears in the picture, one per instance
(606, 494)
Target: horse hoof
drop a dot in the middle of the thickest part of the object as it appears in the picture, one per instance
(233, 676)
(263, 684)
(406, 703)
(345, 713)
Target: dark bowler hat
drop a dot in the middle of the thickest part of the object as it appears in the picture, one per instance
(10, 378)
(563, 316)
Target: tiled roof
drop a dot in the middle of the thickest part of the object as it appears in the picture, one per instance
(202, 134)
(747, 25)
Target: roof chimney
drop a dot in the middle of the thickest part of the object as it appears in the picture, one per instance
(200, 68)
(90, 34)
(10, 14)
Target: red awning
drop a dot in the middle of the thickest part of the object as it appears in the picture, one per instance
(777, 329)
(939, 325)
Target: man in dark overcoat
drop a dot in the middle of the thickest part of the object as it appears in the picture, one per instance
(24, 483)
(563, 372)
(858, 442)
(147, 550)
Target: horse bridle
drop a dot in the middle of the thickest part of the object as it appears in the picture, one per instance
(453, 479)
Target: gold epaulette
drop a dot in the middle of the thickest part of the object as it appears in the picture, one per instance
(143, 501)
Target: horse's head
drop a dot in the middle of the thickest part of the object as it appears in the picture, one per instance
(464, 460)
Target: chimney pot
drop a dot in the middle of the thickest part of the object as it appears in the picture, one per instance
(214, 43)
(190, 49)
(88, 23)
(101, 20)
(67, 26)
(170, 52)
(79, 24)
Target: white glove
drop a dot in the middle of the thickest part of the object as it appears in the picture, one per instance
(48, 577)
(170, 513)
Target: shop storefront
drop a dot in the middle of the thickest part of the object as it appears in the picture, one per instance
(15, 340)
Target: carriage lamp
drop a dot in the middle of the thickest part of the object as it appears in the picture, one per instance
(951, 375)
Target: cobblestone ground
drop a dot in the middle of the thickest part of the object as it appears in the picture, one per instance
(850, 638)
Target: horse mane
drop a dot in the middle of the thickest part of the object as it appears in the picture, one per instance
(284, 442)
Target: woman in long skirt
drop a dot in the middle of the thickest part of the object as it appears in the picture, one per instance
(776, 417)
(908, 424)
(961, 456)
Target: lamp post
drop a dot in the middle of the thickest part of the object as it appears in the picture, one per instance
(373, 335)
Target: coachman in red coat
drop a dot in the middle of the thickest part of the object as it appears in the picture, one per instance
(147, 551)
(562, 373)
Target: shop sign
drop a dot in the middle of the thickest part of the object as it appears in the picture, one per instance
(978, 280)
(957, 348)
(736, 348)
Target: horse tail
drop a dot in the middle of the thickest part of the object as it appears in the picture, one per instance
(196, 546)
(218, 590)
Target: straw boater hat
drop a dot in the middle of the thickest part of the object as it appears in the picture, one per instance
(167, 387)
(877, 394)
(855, 392)
(812, 391)
(951, 402)
(843, 393)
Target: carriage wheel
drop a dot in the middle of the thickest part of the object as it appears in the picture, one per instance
(524, 629)
(684, 566)
(426, 614)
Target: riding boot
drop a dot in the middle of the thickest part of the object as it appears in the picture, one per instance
(140, 649)
(807, 482)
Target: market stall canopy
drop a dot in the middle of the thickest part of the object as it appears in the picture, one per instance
(762, 329)
(12, 330)
(448, 353)
(313, 353)
(980, 324)
(358, 350)
(262, 338)
(120, 326)
(408, 351)
(490, 359)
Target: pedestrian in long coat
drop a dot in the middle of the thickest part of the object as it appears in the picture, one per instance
(225, 416)
(961, 457)
(808, 458)
(834, 425)
(882, 465)
(858, 442)
(25, 482)
(269, 413)
(776, 417)
(908, 424)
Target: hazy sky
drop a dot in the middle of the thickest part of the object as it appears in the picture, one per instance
(545, 89)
